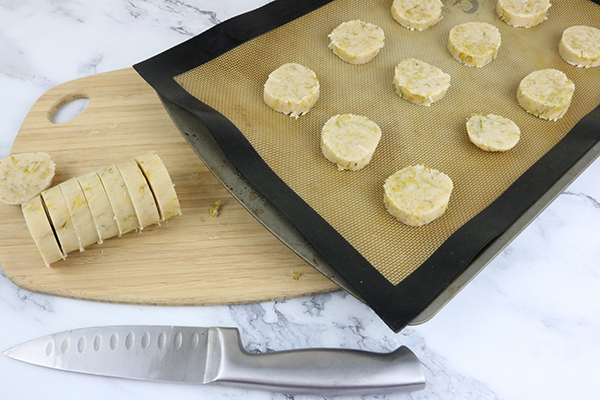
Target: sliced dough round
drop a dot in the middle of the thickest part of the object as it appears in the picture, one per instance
(580, 46)
(417, 195)
(24, 176)
(41, 231)
(350, 141)
(417, 14)
(161, 185)
(139, 191)
(356, 42)
(522, 13)
(292, 89)
(61, 220)
(119, 198)
(419, 82)
(493, 132)
(102, 212)
(546, 93)
(80, 212)
(474, 44)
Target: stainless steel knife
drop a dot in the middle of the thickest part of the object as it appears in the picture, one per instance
(216, 355)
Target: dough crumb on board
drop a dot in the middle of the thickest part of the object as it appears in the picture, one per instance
(546, 93)
(474, 44)
(417, 195)
(41, 231)
(356, 42)
(419, 82)
(24, 176)
(493, 132)
(349, 141)
(292, 89)
(417, 14)
(580, 46)
(522, 13)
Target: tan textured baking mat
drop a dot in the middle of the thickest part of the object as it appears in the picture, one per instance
(352, 202)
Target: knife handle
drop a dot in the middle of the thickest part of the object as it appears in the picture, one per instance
(310, 371)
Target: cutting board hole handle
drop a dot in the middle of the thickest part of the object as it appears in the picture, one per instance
(68, 108)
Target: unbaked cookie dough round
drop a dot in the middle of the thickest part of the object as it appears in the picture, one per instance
(292, 89)
(419, 82)
(356, 42)
(349, 141)
(417, 14)
(417, 195)
(546, 93)
(493, 132)
(522, 13)
(580, 46)
(474, 44)
(24, 176)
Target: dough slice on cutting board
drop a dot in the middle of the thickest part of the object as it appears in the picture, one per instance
(41, 231)
(100, 208)
(61, 219)
(161, 184)
(120, 200)
(24, 176)
(80, 212)
(139, 191)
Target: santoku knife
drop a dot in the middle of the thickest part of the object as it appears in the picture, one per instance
(216, 355)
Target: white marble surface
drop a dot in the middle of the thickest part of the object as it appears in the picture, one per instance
(527, 327)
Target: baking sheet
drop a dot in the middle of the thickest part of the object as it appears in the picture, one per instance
(415, 264)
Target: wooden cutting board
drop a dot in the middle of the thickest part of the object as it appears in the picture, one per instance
(195, 259)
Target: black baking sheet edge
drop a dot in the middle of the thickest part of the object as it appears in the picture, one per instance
(399, 304)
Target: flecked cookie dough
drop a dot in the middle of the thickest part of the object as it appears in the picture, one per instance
(546, 93)
(493, 132)
(417, 195)
(350, 141)
(417, 14)
(24, 176)
(522, 13)
(474, 44)
(580, 46)
(292, 89)
(356, 42)
(41, 231)
(419, 82)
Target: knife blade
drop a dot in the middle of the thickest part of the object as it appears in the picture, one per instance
(216, 355)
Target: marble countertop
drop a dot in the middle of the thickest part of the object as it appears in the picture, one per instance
(527, 327)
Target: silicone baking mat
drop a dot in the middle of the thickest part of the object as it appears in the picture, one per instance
(398, 270)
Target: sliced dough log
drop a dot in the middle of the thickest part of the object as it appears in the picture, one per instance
(80, 212)
(120, 200)
(100, 208)
(417, 14)
(139, 191)
(580, 46)
(356, 42)
(350, 141)
(522, 13)
(493, 132)
(546, 93)
(160, 182)
(61, 220)
(41, 231)
(474, 44)
(24, 176)
(419, 82)
(292, 89)
(417, 195)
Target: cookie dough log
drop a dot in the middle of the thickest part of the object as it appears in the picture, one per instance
(41, 231)
(349, 141)
(474, 44)
(417, 14)
(292, 89)
(522, 13)
(139, 191)
(356, 42)
(102, 213)
(24, 176)
(417, 195)
(580, 46)
(419, 82)
(546, 93)
(493, 132)
(80, 212)
(161, 185)
(119, 198)
(61, 220)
